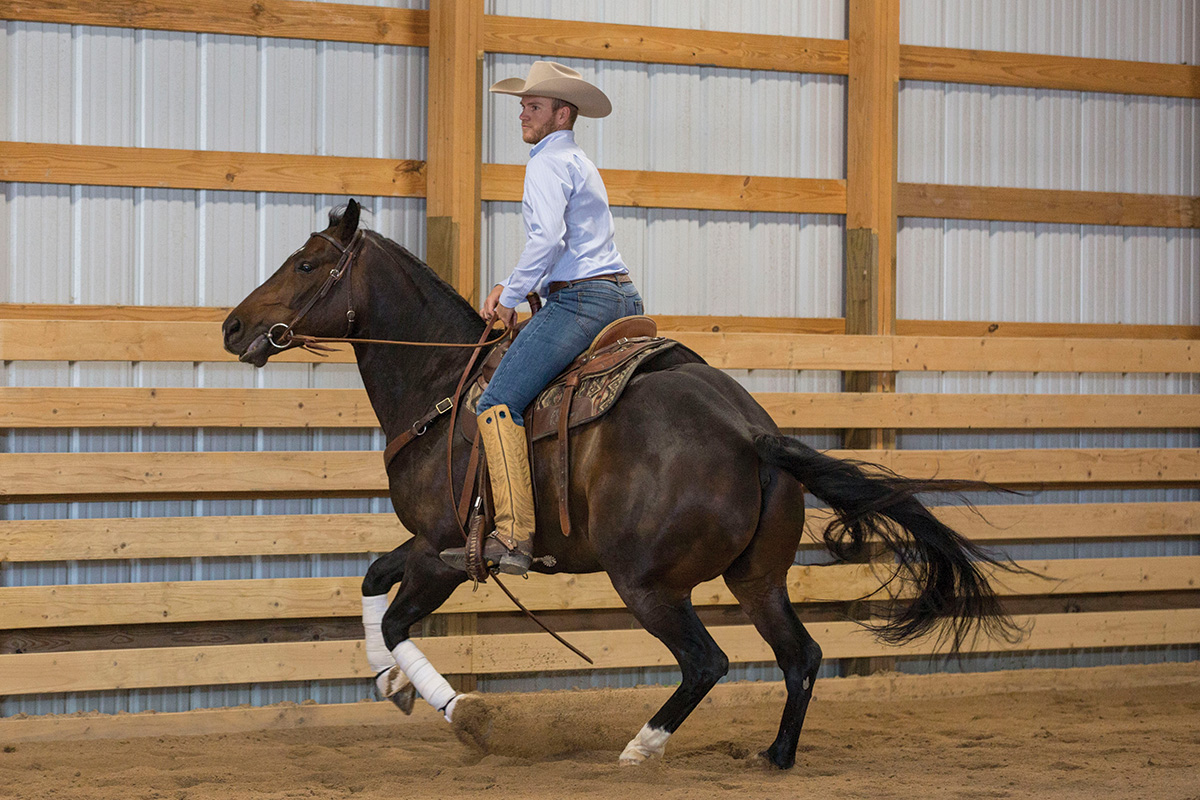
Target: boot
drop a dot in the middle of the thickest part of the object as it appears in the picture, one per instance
(509, 547)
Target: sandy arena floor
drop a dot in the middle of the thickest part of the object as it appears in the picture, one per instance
(1111, 733)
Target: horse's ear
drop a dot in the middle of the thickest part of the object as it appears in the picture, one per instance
(349, 221)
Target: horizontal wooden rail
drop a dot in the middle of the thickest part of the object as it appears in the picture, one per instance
(1008, 204)
(336, 22)
(286, 534)
(1035, 71)
(92, 165)
(295, 598)
(86, 407)
(282, 19)
(645, 189)
(357, 473)
(102, 670)
(197, 537)
(639, 43)
(674, 322)
(138, 340)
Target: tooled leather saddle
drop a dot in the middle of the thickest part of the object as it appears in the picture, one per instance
(586, 390)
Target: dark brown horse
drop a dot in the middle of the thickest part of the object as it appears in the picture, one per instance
(686, 479)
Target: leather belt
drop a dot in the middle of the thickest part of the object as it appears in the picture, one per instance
(613, 278)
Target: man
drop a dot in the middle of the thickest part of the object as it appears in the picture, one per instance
(570, 258)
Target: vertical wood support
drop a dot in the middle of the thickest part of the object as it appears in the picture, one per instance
(870, 282)
(452, 200)
(452, 168)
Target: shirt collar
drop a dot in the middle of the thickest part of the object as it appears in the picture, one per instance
(553, 137)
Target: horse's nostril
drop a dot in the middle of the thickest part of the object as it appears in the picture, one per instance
(232, 326)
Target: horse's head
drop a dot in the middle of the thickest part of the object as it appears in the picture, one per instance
(304, 288)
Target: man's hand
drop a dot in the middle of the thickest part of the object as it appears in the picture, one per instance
(489, 305)
(506, 315)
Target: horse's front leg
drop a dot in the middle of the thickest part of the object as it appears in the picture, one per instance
(384, 573)
(427, 584)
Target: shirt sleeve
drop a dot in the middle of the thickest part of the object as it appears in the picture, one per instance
(544, 206)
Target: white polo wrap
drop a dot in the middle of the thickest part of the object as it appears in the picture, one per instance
(648, 743)
(429, 682)
(373, 609)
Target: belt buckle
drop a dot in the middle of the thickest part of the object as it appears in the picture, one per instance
(444, 405)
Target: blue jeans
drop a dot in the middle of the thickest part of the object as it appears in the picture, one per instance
(564, 328)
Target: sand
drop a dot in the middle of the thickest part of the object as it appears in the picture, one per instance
(1113, 732)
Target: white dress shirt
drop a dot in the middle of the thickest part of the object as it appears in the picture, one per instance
(568, 224)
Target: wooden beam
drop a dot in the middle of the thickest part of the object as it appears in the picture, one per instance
(135, 340)
(286, 534)
(644, 189)
(1000, 203)
(197, 537)
(645, 44)
(86, 407)
(677, 322)
(184, 408)
(1036, 71)
(103, 670)
(281, 19)
(977, 411)
(93, 165)
(173, 602)
(203, 537)
(360, 473)
(455, 123)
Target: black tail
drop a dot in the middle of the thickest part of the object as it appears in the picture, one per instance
(938, 562)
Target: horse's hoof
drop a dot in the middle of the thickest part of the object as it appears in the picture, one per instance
(405, 698)
(472, 720)
(769, 761)
(649, 742)
(394, 685)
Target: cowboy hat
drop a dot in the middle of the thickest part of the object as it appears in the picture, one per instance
(551, 79)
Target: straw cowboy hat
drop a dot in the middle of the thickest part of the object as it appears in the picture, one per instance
(551, 79)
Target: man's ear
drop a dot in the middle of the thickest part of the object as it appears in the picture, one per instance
(349, 222)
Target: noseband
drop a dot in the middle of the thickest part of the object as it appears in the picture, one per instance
(340, 270)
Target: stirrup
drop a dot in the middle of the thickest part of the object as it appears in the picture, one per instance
(495, 554)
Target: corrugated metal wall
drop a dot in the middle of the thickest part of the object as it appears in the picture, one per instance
(82, 85)
(1026, 272)
(94, 245)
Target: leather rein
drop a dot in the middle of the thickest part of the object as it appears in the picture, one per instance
(315, 344)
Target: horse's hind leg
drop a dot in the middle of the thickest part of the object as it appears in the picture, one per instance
(797, 654)
(673, 621)
(758, 579)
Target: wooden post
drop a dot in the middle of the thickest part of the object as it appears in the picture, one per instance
(452, 204)
(870, 286)
(452, 207)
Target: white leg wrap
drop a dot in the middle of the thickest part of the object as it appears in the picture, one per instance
(648, 743)
(429, 682)
(373, 609)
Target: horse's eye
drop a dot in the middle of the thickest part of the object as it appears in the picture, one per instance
(305, 266)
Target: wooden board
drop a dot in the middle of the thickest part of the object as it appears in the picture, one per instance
(976, 411)
(102, 670)
(1038, 71)
(1047, 205)
(283, 19)
(171, 602)
(644, 189)
(358, 473)
(92, 165)
(677, 322)
(53, 407)
(638, 43)
(197, 537)
(286, 534)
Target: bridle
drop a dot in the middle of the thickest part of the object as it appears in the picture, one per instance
(341, 270)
